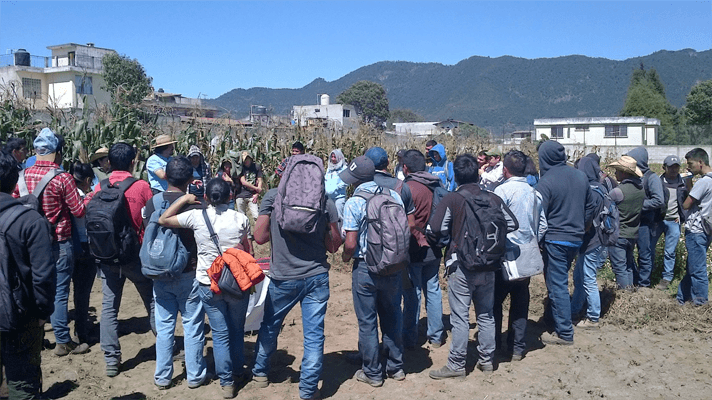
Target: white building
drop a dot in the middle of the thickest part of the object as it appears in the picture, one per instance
(60, 80)
(600, 131)
(343, 115)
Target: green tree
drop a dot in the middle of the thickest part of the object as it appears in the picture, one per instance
(698, 107)
(403, 115)
(646, 98)
(370, 101)
(125, 79)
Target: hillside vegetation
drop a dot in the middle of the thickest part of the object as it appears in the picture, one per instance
(493, 92)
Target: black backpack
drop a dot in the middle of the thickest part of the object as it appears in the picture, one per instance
(481, 243)
(32, 200)
(112, 238)
(12, 296)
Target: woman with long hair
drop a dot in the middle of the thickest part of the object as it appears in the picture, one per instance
(225, 313)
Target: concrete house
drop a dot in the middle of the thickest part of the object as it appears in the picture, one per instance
(600, 131)
(178, 105)
(324, 113)
(60, 80)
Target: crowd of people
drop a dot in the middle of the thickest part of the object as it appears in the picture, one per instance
(490, 220)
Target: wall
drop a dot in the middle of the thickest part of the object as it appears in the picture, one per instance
(596, 135)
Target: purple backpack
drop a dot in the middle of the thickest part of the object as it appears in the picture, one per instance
(301, 197)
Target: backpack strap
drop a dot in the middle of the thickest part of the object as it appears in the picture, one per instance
(10, 215)
(44, 181)
(126, 184)
(22, 184)
(213, 235)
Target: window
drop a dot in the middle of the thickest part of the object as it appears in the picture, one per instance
(316, 110)
(31, 88)
(616, 131)
(347, 113)
(557, 131)
(83, 84)
(581, 128)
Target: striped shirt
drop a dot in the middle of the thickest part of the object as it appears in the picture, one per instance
(60, 199)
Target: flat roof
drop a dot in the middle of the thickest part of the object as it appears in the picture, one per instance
(597, 121)
(64, 46)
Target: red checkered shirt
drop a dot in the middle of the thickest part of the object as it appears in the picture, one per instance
(60, 199)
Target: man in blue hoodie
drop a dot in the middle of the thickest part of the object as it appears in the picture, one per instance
(441, 167)
(650, 217)
(569, 207)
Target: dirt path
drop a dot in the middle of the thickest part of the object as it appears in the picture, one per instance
(615, 362)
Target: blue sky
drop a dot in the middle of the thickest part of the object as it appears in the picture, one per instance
(209, 48)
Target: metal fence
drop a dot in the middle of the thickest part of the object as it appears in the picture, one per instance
(35, 61)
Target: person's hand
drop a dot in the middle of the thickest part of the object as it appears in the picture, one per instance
(227, 178)
(254, 198)
(190, 199)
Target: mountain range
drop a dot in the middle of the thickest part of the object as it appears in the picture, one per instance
(497, 93)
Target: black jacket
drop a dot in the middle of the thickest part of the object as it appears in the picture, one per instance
(31, 267)
(681, 190)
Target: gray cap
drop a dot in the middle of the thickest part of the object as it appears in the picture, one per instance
(671, 160)
(361, 169)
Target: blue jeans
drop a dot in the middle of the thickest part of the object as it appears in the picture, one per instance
(113, 279)
(671, 229)
(171, 296)
(557, 261)
(585, 284)
(227, 321)
(312, 293)
(64, 254)
(622, 262)
(464, 288)
(423, 275)
(695, 284)
(378, 297)
(646, 253)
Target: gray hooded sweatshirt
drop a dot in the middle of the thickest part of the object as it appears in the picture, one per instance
(654, 196)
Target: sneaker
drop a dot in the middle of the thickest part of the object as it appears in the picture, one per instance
(517, 357)
(62, 349)
(548, 338)
(485, 368)
(361, 377)
(445, 373)
(260, 381)
(112, 370)
(228, 391)
(663, 285)
(398, 375)
(436, 345)
(315, 396)
(163, 387)
(587, 324)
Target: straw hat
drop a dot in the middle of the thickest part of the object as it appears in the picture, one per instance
(628, 165)
(162, 140)
(100, 153)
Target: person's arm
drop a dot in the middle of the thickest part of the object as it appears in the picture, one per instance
(592, 204)
(543, 224)
(440, 222)
(512, 223)
(160, 174)
(247, 184)
(168, 218)
(689, 202)
(262, 229)
(71, 197)
(657, 199)
(332, 241)
(350, 245)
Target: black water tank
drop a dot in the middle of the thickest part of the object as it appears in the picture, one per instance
(22, 58)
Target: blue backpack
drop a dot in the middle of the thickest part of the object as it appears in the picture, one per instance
(163, 255)
(607, 222)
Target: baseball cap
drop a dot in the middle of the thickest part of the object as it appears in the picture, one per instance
(361, 169)
(46, 142)
(671, 160)
(378, 156)
(493, 152)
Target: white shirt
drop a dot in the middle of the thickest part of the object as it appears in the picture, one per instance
(230, 226)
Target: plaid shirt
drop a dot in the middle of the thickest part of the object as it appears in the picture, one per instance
(60, 199)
